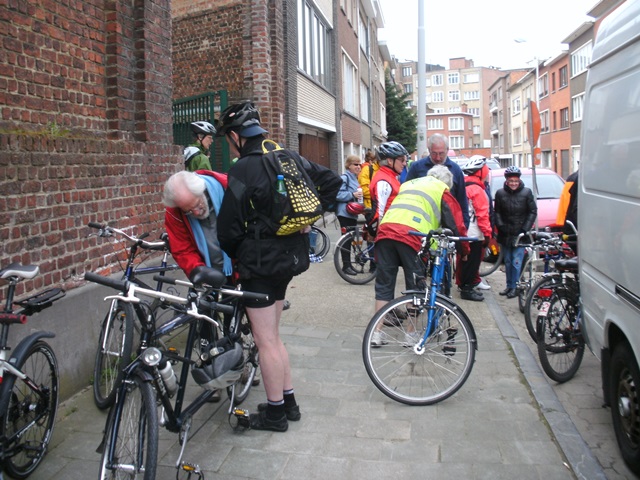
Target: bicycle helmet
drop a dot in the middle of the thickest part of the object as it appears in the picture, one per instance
(223, 370)
(243, 117)
(355, 208)
(474, 164)
(203, 127)
(512, 171)
(391, 150)
(189, 153)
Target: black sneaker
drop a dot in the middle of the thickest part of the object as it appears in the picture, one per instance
(349, 270)
(471, 295)
(259, 421)
(293, 413)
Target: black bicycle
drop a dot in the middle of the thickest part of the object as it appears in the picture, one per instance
(357, 244)
(119, 325)
(152, 395)
(28, 379)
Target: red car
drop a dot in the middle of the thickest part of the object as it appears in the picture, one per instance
(550, 186)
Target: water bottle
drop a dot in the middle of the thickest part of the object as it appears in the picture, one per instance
(360, 198)
(280, 186)
(169, 378)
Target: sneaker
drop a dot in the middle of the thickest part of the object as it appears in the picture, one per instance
(293, 413)
(471, 295)
(411, 338)
(349, 270)
(260, 421)
(504, 292)
(377, 340)
(512, 293)
(483, 285)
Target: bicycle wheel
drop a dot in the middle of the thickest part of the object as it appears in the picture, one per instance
(536, 295)
(624, 380)
(491, 262)
(361, 262)
(321, 245)
(135, 445)
(560, 340)
(240, 390)
(28, 422)
(419, 378)
(526, 280)
(114, 351)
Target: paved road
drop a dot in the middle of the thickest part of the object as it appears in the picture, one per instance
(507, 421)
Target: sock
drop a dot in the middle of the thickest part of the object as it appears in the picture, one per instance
(289, 398)
(275, 410)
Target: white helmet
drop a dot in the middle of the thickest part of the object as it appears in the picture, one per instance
(223, 370)
(190, 152)
(474, 164)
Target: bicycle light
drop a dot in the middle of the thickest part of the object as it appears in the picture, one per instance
(151, 356)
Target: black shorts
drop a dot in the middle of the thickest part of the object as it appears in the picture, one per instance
(274, 287)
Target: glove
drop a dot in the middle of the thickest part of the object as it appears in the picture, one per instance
(485, 242)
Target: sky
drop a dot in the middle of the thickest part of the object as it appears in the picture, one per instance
(482, 31)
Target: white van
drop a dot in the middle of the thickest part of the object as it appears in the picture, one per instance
(609, 219)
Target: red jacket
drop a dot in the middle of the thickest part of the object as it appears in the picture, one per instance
(181, 241)
(390, 176)
(477, 196)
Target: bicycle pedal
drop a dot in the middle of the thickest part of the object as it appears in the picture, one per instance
(189, 469)
(242, 418)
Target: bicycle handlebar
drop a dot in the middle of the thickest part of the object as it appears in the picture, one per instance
(120, 285)
(445, 232)
(244, 294)
(9, 318)
(107, 231)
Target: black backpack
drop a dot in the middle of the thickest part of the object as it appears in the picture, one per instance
(300, 206)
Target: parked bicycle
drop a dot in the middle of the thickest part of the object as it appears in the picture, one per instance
(119, 325)
(319, 244)
(560, 341)
(152, 395)
(492, 259)
(428, 342)
(28, 379)
(357, 243)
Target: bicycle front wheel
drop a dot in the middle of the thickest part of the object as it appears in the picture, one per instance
(527, 279)
(358, 266)
(560, 340)
(131, 437)
(114, 351)
(28, 422)
(422, 378)
(321, 244)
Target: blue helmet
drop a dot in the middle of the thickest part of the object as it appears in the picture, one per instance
(512, 171)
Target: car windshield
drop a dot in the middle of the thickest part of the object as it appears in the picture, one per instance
(549, 186)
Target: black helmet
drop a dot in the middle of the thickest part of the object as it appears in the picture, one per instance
(474, 164)
(203, 127)
(391, 150)
(223, 370)
(243, 118)
(512, 171)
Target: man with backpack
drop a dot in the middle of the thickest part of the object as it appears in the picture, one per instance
(269, 249)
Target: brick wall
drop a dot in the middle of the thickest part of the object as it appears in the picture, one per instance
(85, 129)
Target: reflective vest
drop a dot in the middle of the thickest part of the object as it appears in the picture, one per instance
(417, 204)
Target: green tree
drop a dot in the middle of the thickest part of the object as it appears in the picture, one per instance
(401, 121)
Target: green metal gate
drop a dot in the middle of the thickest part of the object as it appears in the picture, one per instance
(205, 107)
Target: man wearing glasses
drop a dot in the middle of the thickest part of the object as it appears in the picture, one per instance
(438, 146)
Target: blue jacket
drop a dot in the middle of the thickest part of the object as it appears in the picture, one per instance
(421, 167)
(349, 185)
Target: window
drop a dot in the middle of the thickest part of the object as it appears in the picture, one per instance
(564, 118)
(500, 93)
(349, 7)
(544, 121)
(349, 85)
(427, 97)
(437, 80)
(456, 142)
(456, 123)
(543, 86)
(438, 110)
(438, 96)
(363, 35)
(553, 82)
(475, 112)
(314, 51)
(364, 102)
(580, 59)
(564, 78)
(472, 95)
(454, 110)
(407, 71)
(471, 78)
(517, 136)
(476, 129)
(516, 106)
(408, 87)
(454, 95)
(453, 78)
(435, 124)
(576, 107)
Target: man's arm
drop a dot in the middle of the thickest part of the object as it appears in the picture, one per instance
(452, 219)
(383, 193)
(183, 246)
